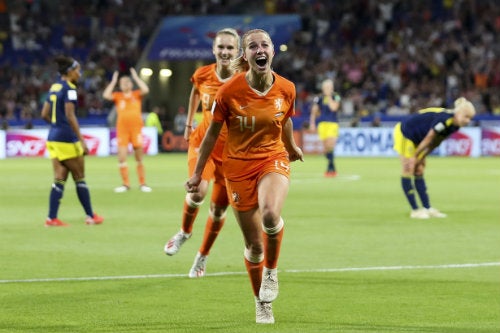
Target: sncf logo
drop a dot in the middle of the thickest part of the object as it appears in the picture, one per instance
(92, 143)
(459, 144)
(25, 145)
(490, 144)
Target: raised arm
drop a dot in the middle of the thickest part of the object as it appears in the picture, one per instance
(108, 91)
(143, 87)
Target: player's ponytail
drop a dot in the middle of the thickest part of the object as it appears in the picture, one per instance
(239, 65)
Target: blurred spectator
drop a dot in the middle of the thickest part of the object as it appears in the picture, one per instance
(375, 50)
(180, 120)
(153, 120)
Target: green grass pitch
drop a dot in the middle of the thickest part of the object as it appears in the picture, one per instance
(352, 260)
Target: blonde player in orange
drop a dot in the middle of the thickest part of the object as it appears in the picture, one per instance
(256, 107)
(129, 124)
(206, 81)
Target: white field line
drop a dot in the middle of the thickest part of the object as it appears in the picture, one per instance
(320, 270)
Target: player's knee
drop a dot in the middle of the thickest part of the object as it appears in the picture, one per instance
(275, 228)
(254, 254)
(270, 219)
(194, 200)
(217, 212)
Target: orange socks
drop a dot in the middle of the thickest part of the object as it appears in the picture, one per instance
(212, 229)
(272, 244)
(255, 274)
(141, 174)
(189, 213)
(124, 174)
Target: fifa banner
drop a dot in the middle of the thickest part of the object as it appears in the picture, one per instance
(100, 142)
(191, 37)
(378, 142)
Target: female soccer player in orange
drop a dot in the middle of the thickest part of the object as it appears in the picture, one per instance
(206, 81)
(129, 124)
(65, 142)
(256, 107)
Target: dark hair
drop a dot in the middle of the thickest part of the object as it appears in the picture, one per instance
(65, 64)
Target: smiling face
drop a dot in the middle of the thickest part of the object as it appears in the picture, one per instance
(126, 84)
(258, 51)
(225, 48)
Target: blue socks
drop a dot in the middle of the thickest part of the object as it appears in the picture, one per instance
(84, 196)
(56, 194)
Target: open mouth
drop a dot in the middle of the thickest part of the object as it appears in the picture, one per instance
(261, 61)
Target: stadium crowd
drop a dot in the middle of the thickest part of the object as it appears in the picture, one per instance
(387, 57)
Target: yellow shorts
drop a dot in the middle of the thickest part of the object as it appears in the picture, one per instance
(64, 150)
(403, 146)
(328, 129)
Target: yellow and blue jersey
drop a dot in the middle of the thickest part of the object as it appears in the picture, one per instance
(416, 126)
(325, 113)
(60, 93)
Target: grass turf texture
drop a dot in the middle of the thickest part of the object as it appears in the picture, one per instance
(352, 260)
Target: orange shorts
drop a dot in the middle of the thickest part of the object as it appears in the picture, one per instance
(208, 172)
(242, 193)
(219, 191)
(126, 135)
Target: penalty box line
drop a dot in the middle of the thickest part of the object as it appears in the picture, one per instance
(319, 270)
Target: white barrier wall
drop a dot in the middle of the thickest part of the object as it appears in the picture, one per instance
(366, 142)
(378, 142)
(100, 141)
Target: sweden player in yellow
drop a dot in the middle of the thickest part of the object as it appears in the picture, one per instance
(65, 143)
(415, 138)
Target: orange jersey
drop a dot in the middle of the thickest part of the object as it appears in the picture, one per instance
(255, 120)
(128, 109)
(206, 80)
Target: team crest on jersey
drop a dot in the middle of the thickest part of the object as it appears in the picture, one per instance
(278, 102)
(236, 197)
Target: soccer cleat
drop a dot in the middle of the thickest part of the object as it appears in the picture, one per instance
(121, 189)
(174, 244)
(433, 212)
(96, 219)
(263, 312)
(419, 214)
(269, 286)
(330, 174)
(55, 222)
(199, 265)
(145, 188)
